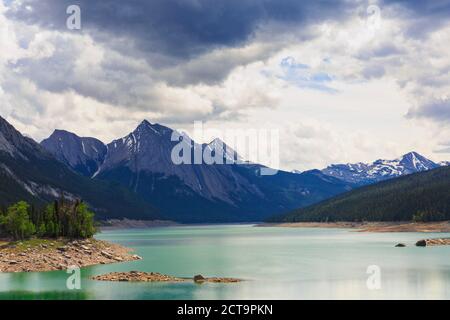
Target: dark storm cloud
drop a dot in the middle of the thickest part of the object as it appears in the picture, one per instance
(179, 29)
(437, 110)
(424, 8)
(424, 16)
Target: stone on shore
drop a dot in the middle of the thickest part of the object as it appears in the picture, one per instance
(199, 278)
(433, 242)
(421, 243)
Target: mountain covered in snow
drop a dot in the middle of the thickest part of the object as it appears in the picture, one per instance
(379, 170)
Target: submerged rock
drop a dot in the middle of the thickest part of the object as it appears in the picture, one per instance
(400, 245)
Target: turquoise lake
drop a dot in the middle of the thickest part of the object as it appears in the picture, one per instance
(277, 263)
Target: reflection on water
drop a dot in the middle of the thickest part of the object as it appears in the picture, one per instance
(45, 295)
(278, 263)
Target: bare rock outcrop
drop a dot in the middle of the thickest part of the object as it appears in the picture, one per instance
(433, 242)
(140, 276)
(137, 276)
(47, 255)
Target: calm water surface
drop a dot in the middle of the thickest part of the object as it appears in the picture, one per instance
(279, 263)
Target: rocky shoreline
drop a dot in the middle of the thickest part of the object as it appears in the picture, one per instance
(405, 226)
(140, 276)
(48, 255)
(114, 224)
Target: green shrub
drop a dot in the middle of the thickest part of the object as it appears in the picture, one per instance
(17, 223)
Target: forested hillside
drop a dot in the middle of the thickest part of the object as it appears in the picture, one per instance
(422, 196)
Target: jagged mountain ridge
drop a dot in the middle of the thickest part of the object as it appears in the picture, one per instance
(149, 149)
(367, 173)
(198, 192)
(28, 172)
(142, 162)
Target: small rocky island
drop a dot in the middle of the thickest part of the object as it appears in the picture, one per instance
(139, 276)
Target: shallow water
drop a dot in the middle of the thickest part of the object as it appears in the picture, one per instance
(278, 263)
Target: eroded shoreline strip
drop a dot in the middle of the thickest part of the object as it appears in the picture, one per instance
(39, 255)
(404, 226)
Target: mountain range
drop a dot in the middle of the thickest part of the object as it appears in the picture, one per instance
(380, 170)
(135, 177)
(422, 196)
(132, 176)
(234, 191)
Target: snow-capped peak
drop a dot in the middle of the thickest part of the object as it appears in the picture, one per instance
(381, 169)
(415, 162)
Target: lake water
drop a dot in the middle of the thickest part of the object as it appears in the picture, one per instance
(278, 263)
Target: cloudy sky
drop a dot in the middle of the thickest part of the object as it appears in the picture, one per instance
(342, 81)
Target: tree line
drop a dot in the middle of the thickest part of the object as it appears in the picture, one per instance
(61, 218)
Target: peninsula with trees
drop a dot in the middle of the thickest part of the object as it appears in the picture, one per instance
(55, 237)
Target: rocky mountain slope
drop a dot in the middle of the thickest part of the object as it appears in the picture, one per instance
(28, 172)
(199, 192)
(84, 155)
